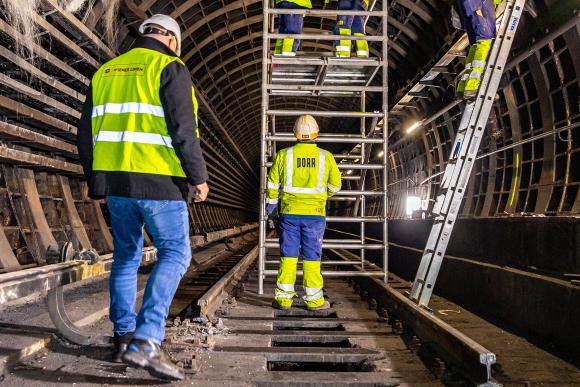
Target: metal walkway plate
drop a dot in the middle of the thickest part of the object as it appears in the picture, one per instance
(322, 71)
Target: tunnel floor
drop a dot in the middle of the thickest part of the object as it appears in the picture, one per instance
(250, 343)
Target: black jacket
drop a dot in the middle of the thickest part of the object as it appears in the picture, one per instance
(175, 94)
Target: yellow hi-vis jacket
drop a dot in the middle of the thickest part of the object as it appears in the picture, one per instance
(129, 126)
(302, 178)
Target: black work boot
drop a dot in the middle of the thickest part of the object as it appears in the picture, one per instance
(148, 355)
(120, 343)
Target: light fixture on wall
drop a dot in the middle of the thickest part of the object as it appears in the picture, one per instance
(413, 127)
(413, 204)
(380, 154)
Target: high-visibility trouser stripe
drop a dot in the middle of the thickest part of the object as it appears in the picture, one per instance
(312, 294)
(285, 290)
(478, 63)
(278, 294)
(128, 107)
(320, 188)
(286, 287)
(343, 48)
(475, 74)
(272, 201)
(273, 185)
(136, 137)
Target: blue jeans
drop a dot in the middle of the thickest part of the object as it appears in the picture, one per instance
(168, 225)
(302, 232)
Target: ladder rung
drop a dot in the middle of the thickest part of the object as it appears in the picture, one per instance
(348, 219)
(339, 273)
(346, 246)
(322, 12)
(323, 262)
(292, 113)
(325, 61)
(338, 88)
(370, 38)
(349, 166)
(356, 140)
(359, 193)
(275, 240)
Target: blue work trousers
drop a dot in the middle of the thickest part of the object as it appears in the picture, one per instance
(290, 24)
(354, 23)
(168, 225)
(302, 233)
(477, 18)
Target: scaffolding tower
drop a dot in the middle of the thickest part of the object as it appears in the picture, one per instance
(321, 76)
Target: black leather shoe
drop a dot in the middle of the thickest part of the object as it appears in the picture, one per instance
(120, 343)
(148, 355)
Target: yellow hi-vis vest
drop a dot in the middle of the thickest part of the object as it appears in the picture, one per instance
(302, 177)
(302, 3)
(128, 121)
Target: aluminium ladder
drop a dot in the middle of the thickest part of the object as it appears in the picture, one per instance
(315, 77)
(463, 156)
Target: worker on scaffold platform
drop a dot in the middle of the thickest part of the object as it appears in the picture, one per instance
(290, 24)
(351, 25)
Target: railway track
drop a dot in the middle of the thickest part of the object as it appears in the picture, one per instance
(222, 332)
(357, 342)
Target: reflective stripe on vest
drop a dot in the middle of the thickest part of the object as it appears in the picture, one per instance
(137, 137)
(320, 187)
(128, 107)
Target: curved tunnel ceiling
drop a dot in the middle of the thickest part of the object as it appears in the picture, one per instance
(530, 156)
(222, 47)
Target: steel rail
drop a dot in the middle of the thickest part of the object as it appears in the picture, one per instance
(473, 359)
(57, 308)
(208, 302)
(38, 280)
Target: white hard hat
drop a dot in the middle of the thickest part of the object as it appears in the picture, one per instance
(166, 22)
(306, 128)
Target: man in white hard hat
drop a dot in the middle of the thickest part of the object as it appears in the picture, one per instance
(139, 145)
(300, 181)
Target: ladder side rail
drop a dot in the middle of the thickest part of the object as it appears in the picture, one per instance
(263, 168)
(385, 106)
(486, 96)
(484, 101)
(478, 113)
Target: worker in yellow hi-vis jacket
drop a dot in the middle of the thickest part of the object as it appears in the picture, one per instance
(300, 181)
